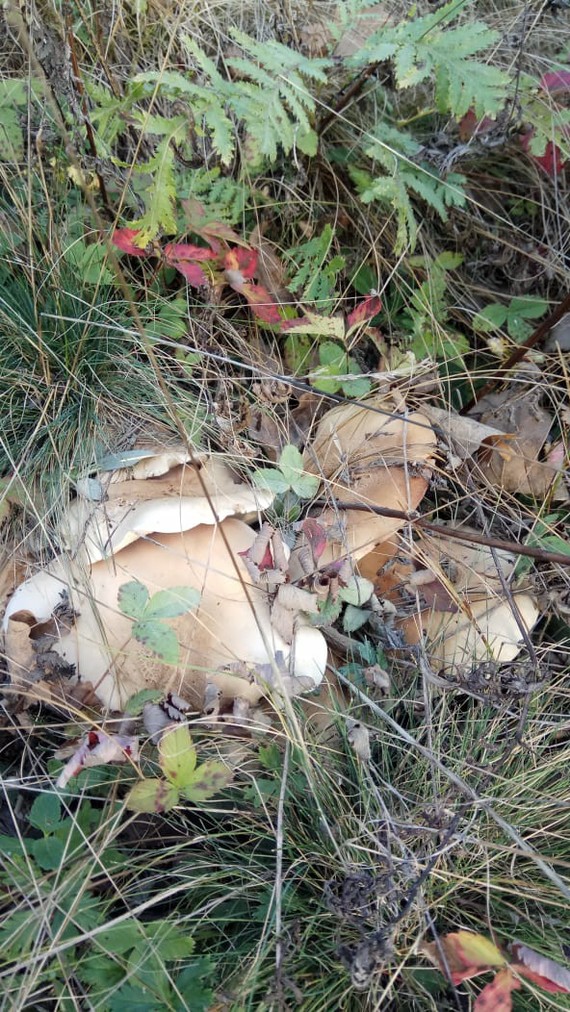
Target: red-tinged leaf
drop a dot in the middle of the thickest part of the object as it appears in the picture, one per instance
(261, 302)
(470, 125)
(466, 955)
(548, 974)
(215, 230)
(556, 82)
(551, 160)
(125, 240)
(496, 996)
(476, 949)
(194, 274)
(364, 311)
(316, 536)
(240, 265)
(180, 252)
(265, 563)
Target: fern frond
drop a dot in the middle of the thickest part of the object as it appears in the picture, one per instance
(159, 213)
(424, 48)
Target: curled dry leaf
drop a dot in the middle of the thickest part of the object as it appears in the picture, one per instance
(176, 501)
(513, 463)
(541, 970)
(96, 749)
(496, 995)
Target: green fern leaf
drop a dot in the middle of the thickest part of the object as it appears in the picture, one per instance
(159, 213)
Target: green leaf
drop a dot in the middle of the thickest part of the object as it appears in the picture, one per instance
(152, 796)
(357, 592)
(208, 779)
(307, 141)
(490, 318)
(530, 309)
(271, 479)
(159, 638)
(329, 611)
(172, 602)
(168, 940)
(178, 756)
(291, 465)
(354, 618)
(193, 984)
(48, 852)
(132, 599)
(161, 194)
(136, 704)
(45, 813)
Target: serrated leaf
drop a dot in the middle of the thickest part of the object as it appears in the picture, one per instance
(136, 704)
(152, 796)
(48, 852)
(172, 602)
(45, 813)
(319, 326)
(490, 318)
(208, 779)
(271, 479)
(178, 756)
(159, 638)
(132, 599)
(291, 465)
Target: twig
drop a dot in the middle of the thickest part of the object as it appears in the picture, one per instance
(519, 352)
(453, 532)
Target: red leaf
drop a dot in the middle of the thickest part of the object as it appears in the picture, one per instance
(496, 996)
(551, 161)
(548, 974)
(186, 258)
(316, 536)
(177, 251)
(260, 302)
(470, 125)
(364, 311)
(240, 265)
(466, 955)
(556, 82)
(124, 239)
